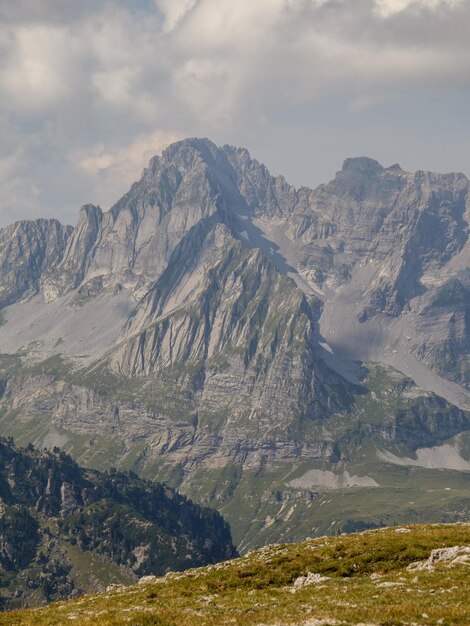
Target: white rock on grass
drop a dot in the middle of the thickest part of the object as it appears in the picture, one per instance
(310, 579)
(455, 555)
(147, 580)
(115, 587)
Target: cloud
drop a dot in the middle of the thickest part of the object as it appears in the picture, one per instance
(173, 11)
(386, 8)
(248, 48)
(16, 189)
(117, 170)
(89, 89)
(127, 159)
(35, 72)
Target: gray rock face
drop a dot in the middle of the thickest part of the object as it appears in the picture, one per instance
(244, 343)
(401, 224)
(29, 254)
(381, 243)
(211, 319)
(74, 264)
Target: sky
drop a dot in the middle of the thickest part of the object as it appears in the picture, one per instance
(90, 90)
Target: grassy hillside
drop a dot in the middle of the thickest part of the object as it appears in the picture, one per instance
(360, 579)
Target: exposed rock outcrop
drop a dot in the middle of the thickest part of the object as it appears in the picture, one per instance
(449, 557)
(212, 321)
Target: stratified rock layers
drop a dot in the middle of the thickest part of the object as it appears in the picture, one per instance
(212, 320)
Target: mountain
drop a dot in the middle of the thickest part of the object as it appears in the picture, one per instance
(403, 575)
(296, 358)
(65, 530)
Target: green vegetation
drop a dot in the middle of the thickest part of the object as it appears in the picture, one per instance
(264, 508)
(20, 537)
(366, 581)
(54, 513)
(260, 505)
(56, 367)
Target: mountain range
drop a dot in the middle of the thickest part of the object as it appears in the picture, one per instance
(296, 358)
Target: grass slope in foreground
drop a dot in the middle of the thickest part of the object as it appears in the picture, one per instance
(362, 579)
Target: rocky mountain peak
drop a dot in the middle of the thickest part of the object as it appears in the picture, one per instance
(90, 212)
(188, 152)
(363, 165)
(211, 323)
(188, 158)
(29, 253)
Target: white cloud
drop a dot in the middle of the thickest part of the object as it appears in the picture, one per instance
(129, 160)
(173, 11)
(36, 70)
(19, 196)
(225, 55)
(112, 172)
(114, 85)
(94, 80)
(386, 8)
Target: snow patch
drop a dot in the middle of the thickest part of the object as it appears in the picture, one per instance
(326, 347)
(439, 457)
(325, 479)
